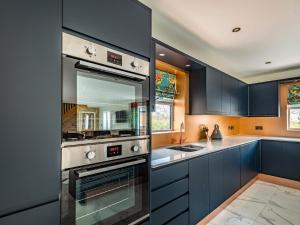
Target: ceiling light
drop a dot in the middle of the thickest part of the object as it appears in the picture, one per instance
(236, 29)
(268, 62)
(162, 54)
(187, 65)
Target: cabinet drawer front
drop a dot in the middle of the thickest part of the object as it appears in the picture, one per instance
(182, 219)
(168, 174)
(169, 193)
(170, 211)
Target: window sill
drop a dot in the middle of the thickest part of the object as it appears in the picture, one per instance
(166, 132)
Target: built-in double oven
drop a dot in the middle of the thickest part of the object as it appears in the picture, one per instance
(105, 147)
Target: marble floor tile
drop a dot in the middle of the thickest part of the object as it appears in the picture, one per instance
(228, 218)
(262, 204)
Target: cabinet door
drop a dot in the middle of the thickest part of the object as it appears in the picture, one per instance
(291, 165)
(126, 23)
(213, 90)
(198, 189)
(234, 100)
(231, 171)
(152, 77)
(42, 215)
(264, 99)
(226, 94)
(216, 196)
(243, 99)
(249, 162)
(272, 158)
(30, 95)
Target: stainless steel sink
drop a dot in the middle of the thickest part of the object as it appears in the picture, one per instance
(187, 148)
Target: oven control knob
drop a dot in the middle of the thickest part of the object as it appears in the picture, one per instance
(134, 64)
(135, 148)
(91, 50)
(90, 155)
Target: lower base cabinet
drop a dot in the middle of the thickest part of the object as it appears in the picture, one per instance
(250, 162)
(198, 189)
(44, 215)
(281, 158)
(147, 222)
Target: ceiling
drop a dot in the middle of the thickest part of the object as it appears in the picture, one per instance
(270, 31)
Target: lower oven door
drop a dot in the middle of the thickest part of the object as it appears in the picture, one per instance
(117, 193)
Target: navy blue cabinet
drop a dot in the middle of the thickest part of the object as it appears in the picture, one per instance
(205, 88)
(152, 76)
(263, 99)
(231, 171)
(250, 160)
(30, 115)
(198, 189)
(216, 196)
(125, 24)
(281, 159)
(213, 92)
(43, 215)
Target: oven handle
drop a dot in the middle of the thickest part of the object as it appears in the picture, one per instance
(109, 168)
(84, 64)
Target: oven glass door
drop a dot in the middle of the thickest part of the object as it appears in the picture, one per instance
(103, 105)
(119, 196)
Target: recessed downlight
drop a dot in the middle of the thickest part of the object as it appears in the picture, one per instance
(187, 65)
(236, 29)
(162, 54)
(268, 62)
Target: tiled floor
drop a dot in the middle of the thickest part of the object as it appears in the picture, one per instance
(262, 204)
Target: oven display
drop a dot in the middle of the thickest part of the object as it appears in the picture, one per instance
(114, 58)
(114, 150)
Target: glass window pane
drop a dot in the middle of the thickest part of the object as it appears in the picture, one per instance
(162, 117)
(294, 118)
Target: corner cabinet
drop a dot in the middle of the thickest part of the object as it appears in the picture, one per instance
(264, 99)
(212, 92)
(30, 95)
(281, 158)
(125, 24)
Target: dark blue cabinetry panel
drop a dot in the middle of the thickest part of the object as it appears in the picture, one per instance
(43, 215)
(147, 222)
(263, 99)
(198, 189)
(231, 171)
(226, 94)
(30, 115)
(213, 90)
(216, 196)
(281, 159)
(249, 162)
(126, 23)
(182, 219)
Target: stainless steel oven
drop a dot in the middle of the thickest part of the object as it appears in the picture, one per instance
(105, 183)
(105, 92)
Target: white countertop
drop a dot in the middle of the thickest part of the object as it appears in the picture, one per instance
(164, 156)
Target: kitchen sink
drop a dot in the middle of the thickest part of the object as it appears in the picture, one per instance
(187, 148)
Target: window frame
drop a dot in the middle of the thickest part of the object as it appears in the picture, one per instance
(172, 105)
(289, 107)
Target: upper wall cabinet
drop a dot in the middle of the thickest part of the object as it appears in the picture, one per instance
(125, 24)
(214, 92)
(263, 99)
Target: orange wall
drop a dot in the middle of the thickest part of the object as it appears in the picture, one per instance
(272, 126)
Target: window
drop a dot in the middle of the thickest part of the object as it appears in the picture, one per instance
(162, 118)
(294, 117)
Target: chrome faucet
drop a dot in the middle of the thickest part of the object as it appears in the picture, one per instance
(181, 132)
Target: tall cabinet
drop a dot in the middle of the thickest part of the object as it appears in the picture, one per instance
(30, 115)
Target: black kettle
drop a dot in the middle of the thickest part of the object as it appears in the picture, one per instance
(216, 134)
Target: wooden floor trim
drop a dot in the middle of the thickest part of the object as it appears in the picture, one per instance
(263, 177)
(214, 213)
(279, 181)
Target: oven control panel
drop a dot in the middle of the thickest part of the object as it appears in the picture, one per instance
(93, 52)
(81, 155)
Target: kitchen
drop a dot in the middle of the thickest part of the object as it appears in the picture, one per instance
(142, 119)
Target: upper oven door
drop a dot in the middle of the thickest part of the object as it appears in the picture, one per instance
(100, 98)
(115, 194)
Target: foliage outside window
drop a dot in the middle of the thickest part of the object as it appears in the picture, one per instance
(293, 108)
(165, 86)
